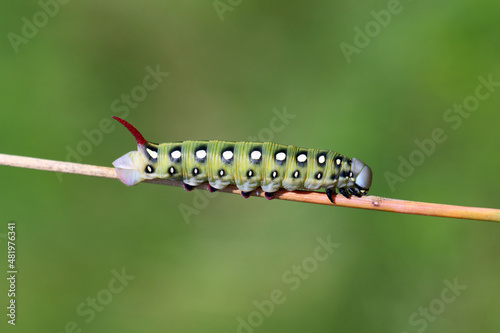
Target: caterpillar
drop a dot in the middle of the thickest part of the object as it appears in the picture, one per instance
(248, 165)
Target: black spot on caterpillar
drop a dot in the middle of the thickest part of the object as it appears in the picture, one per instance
(248, 165)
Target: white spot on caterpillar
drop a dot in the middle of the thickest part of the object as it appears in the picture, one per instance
(302, 158)
(175, 154)
(195, 171)
(281, 156)
(296, 174)
(250, 173)
(227, 155)
(152, 153)
(201, 154)
(321, 159)
(255, 155)
(274, 174)
(337, 161)
(221, 173)
(171, 170)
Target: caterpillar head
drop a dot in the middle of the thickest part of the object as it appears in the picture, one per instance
(137, 165)
(361, 179)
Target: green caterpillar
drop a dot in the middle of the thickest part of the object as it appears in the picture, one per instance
(248, 165)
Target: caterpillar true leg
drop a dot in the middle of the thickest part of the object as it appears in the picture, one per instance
(329, 194)
(344, 192)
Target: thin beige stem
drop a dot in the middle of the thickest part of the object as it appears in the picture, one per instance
(367, 202)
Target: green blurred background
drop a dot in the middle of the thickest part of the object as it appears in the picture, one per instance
(229, 68)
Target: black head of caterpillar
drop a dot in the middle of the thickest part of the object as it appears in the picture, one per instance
(248, 165)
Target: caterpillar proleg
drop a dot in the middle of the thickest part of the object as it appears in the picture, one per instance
(248, 165)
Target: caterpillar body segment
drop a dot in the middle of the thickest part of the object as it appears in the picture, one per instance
(248, 165)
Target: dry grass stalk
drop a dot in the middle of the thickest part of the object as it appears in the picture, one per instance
(367, 202)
